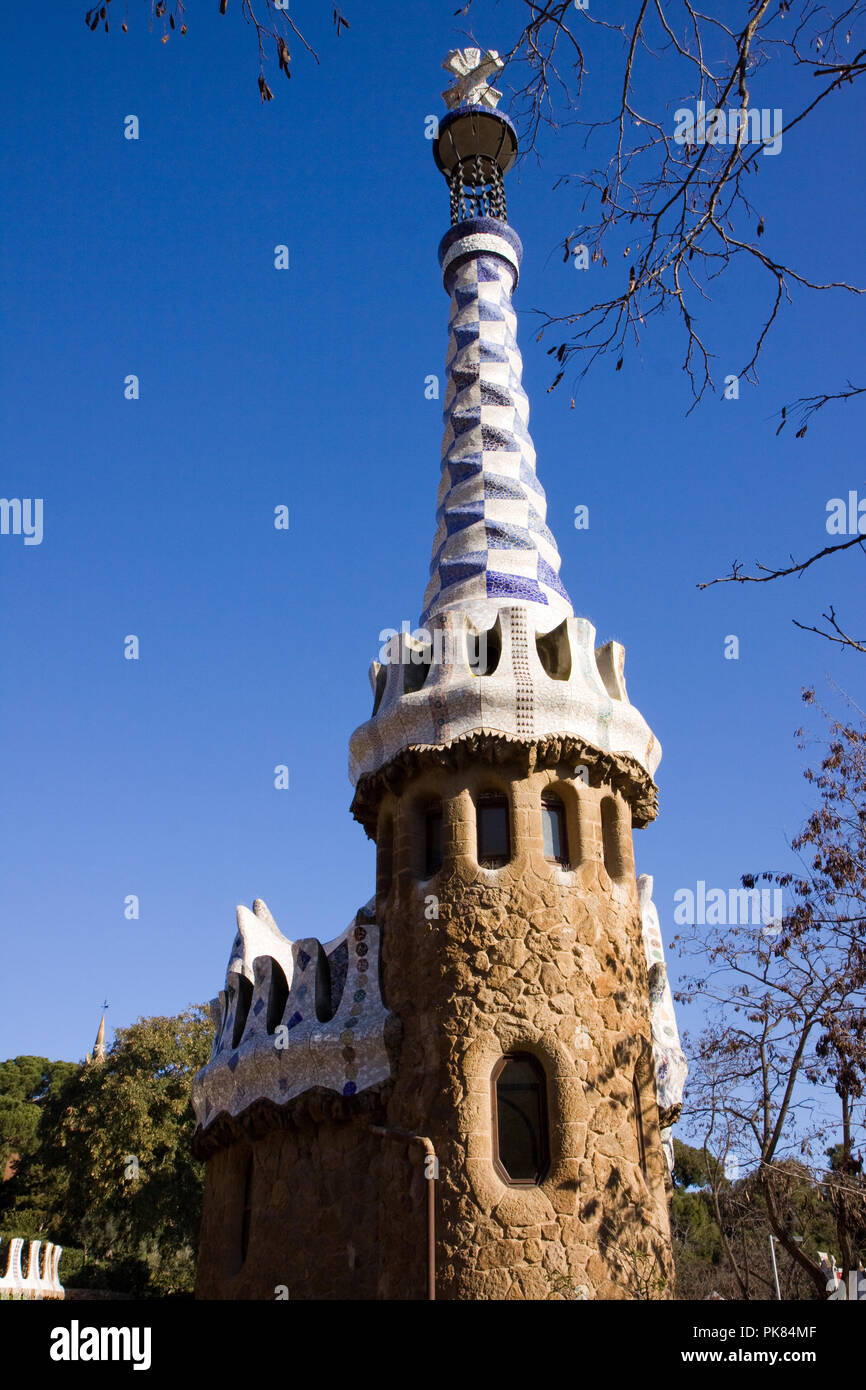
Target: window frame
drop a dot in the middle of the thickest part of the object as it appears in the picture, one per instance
(544, 1148)
(552, 802)
(488, 800)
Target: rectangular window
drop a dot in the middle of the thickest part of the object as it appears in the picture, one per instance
(432, 841)
(553, 829)
(494, 848)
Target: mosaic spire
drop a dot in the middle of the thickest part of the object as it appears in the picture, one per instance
(492, 545)
(499, 652)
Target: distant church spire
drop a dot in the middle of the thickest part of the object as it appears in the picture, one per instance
(98, 1053)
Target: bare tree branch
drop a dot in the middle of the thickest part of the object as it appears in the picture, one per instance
(796, 567)
(678, 205)
(807, 406)
(843, 638)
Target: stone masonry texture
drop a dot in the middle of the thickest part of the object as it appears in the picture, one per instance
(531, 957)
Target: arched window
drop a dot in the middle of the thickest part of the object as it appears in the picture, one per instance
(521, 1146)
(494, 837)
(553, 829)
(247, 1209)
(638, 1124)
(433, 839)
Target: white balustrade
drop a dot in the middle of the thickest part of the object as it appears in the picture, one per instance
(41, 1280)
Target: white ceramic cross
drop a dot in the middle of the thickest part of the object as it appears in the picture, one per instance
(472, 69)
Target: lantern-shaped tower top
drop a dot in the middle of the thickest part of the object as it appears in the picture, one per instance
(477, 144)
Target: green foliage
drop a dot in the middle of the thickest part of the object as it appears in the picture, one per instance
(703, 1263)
(697, 1240)
(644, 1274)
(72, 1265)
(25, 1084)
(113, 1172)
(694, 1167)
(695, 1225)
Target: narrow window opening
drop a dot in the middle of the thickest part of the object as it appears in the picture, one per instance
(245, 998)
(278, 996)
(484, 650)
(554, 652)
(381, 681)
(521, 1145)
(611, 837)
(247, 1210)
(553, 828)
(433, 839)
(494, 837)
(324, 1012)
(227, 1009)
(417, 668)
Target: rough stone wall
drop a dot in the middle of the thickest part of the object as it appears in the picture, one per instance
(532, 958)
(314, 1202)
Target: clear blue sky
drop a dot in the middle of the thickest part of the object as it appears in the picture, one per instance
(306, 387)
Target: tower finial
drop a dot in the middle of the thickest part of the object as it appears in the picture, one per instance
(476, 144)
(472, 68)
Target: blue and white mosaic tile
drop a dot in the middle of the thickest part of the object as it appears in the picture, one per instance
(270, 1041)
(492, 544)
(494, 573)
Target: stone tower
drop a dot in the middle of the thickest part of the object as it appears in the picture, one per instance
(469, 1089)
